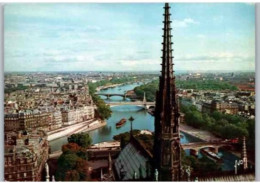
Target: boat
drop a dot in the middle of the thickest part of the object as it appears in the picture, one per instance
(211, 155)
(120, 123)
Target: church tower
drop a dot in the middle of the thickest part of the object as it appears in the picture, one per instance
(167, 150)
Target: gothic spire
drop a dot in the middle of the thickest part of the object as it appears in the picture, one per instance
(167, 139)
(167, 44)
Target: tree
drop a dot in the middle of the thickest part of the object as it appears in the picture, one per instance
(82, 139)
(75, 148)
(224, 125)
(82, 168)
(70, 148)
(104, 111)
(68, 161)
(72, 164)
(72, 175)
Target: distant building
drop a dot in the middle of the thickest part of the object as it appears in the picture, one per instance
(220, 106)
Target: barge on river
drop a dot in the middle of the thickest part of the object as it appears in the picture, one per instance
(211, 155)
(121, 123)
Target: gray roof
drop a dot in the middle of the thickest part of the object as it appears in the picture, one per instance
(133, 162)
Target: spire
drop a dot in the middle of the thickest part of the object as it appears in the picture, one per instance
(167, 137)
(144, 99)
(167, 44)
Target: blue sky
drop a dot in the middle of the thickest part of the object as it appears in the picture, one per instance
(127, 37)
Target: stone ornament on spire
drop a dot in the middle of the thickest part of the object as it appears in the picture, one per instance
(244, 154)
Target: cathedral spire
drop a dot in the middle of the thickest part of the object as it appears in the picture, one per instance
(167, 138)
(167, 44)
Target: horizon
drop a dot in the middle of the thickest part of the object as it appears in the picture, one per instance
(145, 71)
(127, 37)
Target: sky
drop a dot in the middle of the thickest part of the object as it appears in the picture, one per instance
(128, 36)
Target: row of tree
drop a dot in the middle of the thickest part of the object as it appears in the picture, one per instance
(103, 111)
(208, 84)
(223, 125)
(151, 88)
(117, 80)
(13, 89)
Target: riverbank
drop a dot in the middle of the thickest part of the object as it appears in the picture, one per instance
(97, 124)
(76, 128)
(108, 86)
(198, 133)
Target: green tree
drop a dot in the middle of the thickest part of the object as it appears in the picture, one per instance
(104, 111)
(72, 175)
(72, 164)
(82, 139)
(66, 162)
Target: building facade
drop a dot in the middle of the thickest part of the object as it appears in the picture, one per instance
(27, 121)
(25, 155)
(220, 106)
(73, 116)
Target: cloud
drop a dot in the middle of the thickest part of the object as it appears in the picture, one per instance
(215, 57)
(185, 22)
(112, 37)
(201, 36)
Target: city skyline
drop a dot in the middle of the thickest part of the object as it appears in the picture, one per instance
(127, 37)
(72, 125)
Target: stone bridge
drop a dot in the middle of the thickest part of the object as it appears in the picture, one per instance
(213, 146)
(108, 95)
(145, 105)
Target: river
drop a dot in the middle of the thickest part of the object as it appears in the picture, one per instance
(142, 121)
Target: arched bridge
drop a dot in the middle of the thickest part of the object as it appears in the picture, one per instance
(108, 95)
(146, 105)
(213, 146)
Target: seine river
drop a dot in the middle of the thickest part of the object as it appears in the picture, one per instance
(143, 120)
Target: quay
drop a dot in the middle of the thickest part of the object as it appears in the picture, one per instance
(76, 128)
(198, 133)
(108, 86)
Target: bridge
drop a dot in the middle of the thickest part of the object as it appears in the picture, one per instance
(146, 105)
(108, 95)
(143, 103)
(214, 146)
